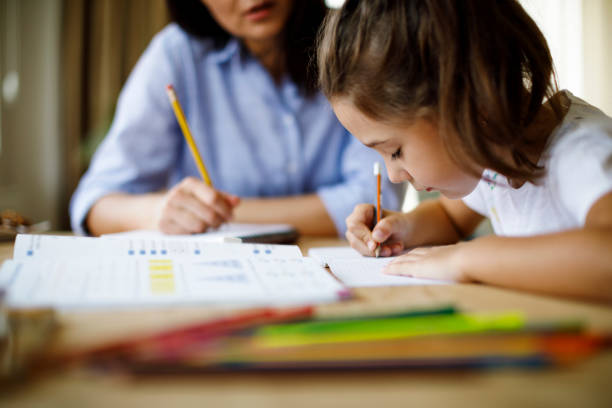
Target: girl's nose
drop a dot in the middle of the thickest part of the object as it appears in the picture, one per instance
(397, 174)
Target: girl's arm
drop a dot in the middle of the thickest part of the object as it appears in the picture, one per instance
(575, 263)
(572, 263)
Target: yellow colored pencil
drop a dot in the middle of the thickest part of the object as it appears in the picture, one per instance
(180, 117)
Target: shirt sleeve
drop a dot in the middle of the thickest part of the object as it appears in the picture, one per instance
(358, 185)
(475, 200)
(581, 169)
(144, 139)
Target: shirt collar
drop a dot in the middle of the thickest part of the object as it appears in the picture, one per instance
(227, 52)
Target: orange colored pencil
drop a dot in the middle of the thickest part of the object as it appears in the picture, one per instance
(378, 209)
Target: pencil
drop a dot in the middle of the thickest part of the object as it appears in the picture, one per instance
(180, 117)
(378, 209)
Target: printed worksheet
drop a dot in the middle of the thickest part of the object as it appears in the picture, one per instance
(82, 283)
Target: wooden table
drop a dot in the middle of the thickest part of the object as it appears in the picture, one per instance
(586, 384)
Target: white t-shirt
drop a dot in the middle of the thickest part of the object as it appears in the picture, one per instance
(578, 165)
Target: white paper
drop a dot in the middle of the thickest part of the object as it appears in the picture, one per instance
(57, 246)
(324, 254)
(221, 234)
(154, 281)
(369, 272)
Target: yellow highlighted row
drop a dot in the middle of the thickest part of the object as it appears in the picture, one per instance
(161, 276)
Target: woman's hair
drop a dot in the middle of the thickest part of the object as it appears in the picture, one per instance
(480, 69)
(300, 34)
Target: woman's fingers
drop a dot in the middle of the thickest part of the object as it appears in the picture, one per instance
(212, 198)
(175, 220)
(192, 206)
(200, 210)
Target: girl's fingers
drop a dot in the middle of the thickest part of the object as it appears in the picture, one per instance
(359, 231)
(384, 229)
(358, 243)
(362, 214)
(396, 248)
(398, 267)
(385, 250)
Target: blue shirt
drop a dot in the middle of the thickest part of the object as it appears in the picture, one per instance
(256, 137)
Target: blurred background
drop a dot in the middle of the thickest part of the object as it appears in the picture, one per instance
(63, 62)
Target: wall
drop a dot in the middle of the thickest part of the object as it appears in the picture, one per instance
(597, 32)
(30, 159)
(580, 39)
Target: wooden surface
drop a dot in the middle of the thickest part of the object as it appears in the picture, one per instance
(586, 384)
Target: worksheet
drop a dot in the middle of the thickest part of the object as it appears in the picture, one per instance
(83, 283)
(59, 246)
(369, 272)
(324, 254)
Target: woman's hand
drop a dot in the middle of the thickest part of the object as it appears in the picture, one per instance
(392, 230)
(439, 262)
(192, 207)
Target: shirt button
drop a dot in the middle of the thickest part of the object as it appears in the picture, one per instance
(288, 120)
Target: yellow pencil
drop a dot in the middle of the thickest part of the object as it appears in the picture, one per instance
(180, 117)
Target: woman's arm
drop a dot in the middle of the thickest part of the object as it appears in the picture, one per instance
(305, 212)
(573, 263)
(192, 207)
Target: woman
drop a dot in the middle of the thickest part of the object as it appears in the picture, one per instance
(273, 148)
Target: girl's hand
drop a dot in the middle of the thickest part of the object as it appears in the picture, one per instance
(192, 207)
(391, 230)
(440, 262)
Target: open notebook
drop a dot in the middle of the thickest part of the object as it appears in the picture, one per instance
(81, 272)
(356, 270)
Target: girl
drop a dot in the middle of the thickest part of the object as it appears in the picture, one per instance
(458, 96)
(240, 71)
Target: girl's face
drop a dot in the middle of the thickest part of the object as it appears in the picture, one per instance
(251, 20)
(412, 152)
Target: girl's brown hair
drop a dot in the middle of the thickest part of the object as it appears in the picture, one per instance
(480, 68)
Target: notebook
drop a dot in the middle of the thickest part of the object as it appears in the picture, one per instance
(70, 272)
(356, 270)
